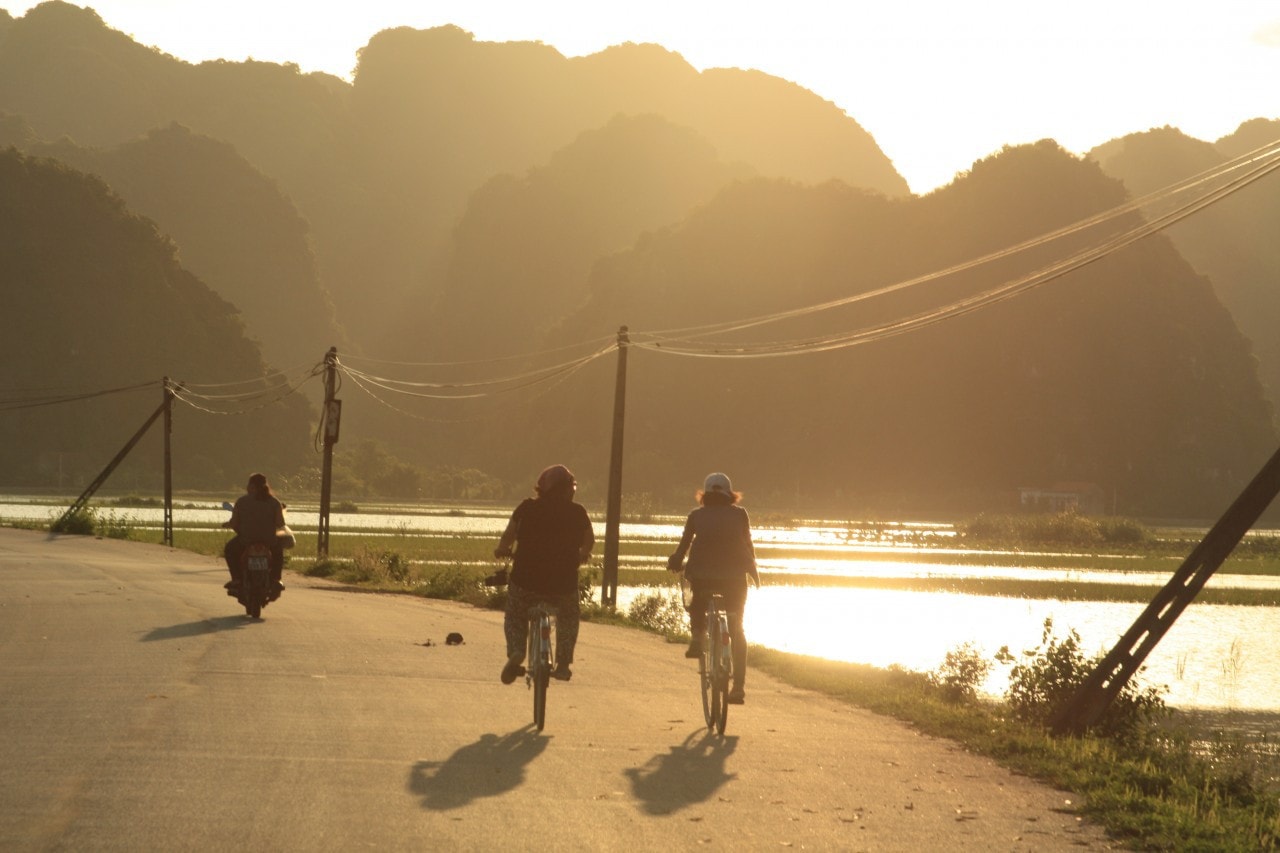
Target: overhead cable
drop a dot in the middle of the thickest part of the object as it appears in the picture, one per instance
(682, 346)
(1266, 154)
(54, 400)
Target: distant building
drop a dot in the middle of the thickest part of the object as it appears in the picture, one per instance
(1084, 498)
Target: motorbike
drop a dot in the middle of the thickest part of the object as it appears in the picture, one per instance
(257, 589)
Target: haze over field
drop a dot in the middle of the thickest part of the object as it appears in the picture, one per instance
(471, 221)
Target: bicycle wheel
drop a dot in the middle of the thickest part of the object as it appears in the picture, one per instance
(540, 667)
(706, 669)
(723, 659)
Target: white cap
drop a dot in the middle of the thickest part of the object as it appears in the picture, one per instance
(718, 483)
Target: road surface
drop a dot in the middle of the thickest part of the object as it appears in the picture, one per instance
(141, 711)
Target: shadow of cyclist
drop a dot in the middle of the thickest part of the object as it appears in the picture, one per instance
(690, 773)
(489, 767)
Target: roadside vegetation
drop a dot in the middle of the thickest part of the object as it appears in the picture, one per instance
(1156, 778)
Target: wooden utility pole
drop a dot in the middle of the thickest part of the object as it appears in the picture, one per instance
(331, 417)
(1087, 705)
(168, 464)
(613, 512)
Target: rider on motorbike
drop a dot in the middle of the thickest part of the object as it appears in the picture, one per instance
(256, 517)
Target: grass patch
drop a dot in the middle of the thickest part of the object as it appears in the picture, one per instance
(1156, 792)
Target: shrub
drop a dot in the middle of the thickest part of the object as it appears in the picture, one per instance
(963, 669)
(114, 526)
(1051, 674)
(82, 522)
(1063, 528)
(661, 611)
(451, 583)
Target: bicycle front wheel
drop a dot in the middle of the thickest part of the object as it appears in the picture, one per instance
(706, 669)
(720, 657)
(540, 679)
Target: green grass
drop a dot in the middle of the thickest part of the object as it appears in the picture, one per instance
(1156, 794)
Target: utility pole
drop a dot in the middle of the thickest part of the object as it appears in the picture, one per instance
(168, 463)
(613, 512)
(1086, 706)
(330, 418)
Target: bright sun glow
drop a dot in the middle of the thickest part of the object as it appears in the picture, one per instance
(938, 84)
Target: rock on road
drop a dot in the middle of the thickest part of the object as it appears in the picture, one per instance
(142, 710)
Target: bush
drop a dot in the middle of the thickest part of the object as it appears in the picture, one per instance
(82, 522)
(963, 669)
(113, 526)
(661, 610)
(1063, 528)
(1052, 673)
(452, 583)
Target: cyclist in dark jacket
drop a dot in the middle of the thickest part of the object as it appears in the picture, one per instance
(552, 536)
(717, 538)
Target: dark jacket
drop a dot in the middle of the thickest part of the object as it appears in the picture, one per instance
(718, 542)
(548, 534)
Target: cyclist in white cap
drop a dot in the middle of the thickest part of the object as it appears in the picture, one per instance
(717, 538)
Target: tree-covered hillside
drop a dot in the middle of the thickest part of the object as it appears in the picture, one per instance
(465, 203)
(1127, 373)
(96, 299)
(382, 167)
(1234, 242)
(235, 230)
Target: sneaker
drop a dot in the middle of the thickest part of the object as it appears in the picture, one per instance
(694, 650)
(512, 669)
(737, 696)
(561, 672)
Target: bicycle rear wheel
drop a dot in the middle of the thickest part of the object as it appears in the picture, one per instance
(706, 669)
(540, 667)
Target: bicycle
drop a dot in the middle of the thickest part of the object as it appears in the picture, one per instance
(540, 649)
(715, 665)
(540, 659)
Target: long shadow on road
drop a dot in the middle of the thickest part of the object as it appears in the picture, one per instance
(491, 766)
(195, 629)
(688, 774)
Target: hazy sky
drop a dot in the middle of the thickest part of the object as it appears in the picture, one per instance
(938, 83)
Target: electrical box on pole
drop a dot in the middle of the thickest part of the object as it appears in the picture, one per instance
(167, 535)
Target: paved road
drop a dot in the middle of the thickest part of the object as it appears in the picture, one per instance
(142, 711)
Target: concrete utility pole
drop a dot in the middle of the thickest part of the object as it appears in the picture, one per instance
(1087, 705)
(613, 513)
(331, 417)
(168, 463)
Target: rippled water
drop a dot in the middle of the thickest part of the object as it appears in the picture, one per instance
(1215, 656)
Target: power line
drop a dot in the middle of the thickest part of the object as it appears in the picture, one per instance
(275, 394)
(467, 389)
(1267, 154)
(55, 400)
(675, 345)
